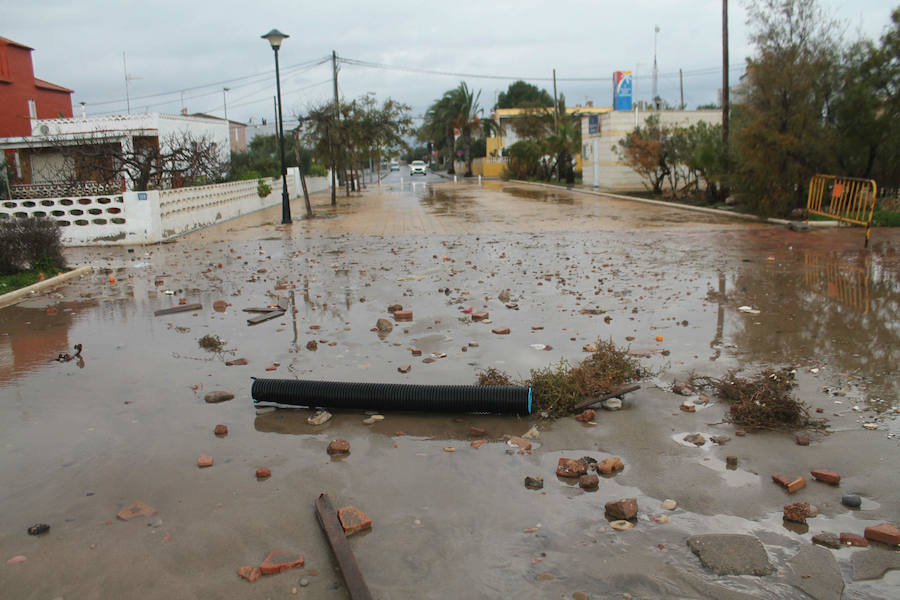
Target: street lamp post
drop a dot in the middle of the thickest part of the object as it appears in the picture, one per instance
(275, 38)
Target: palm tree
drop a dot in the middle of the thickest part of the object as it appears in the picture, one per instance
(465, 115)
(438, 126)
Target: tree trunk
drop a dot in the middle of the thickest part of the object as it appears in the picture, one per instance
(467, 150)
(452, 152)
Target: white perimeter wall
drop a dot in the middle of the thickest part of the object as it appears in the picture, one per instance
(612, 174)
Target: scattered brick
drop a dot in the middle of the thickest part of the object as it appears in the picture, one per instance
(279, 560)
(339, 446)
(589, 482)
(886, 533)
(802, 440)
(263, 473)
(500, 330)
(851, 539)
(205, 461)
(404, 368)
(403, 315)
(136, 509)
(624, 509)
(826, 476)
(610, 465)
(571, 467)
(480, 316)
(796, 484)
(796, 512)
(251, 574)
(353, 520)
(587, 415)
(478, 443)
(221, 430)
(477, 431)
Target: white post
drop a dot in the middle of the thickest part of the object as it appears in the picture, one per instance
(479, 180)
(454, 179)
(595, 149)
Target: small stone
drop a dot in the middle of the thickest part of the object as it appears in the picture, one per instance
(320, 418)
(38, 529)
(428, 360)
(263, 473)
(669, 504)
(740, 433)
(682, 388)
(695, 438)
(661, 519)
(500, 330)
(796, 512)
(610, 465)
(473, 344)
(384, 325)
(829, 540)
(534, 483)
(220, 305)
(621, 525)
(480, 316)
(589, 482)
(720, 439)
(503, 296)
(251, 574)
(416, 352)
(312, 345)
(237, 362)
(339, 446)
(886, 533)
(204, 461)
(279, 560)
(532, 434)
(826, 476)
(851, 500)
(570, 467)
(218, 396)
(586, 416)
(625, 508)
(851, 539)
(590, 348)
(394, 308)
(802, 440)
(221, 430)
(404, 368)
(688, 406)
(813, 511)
(546, 577)
(731, 461)
(580, 596)
(612, 404)
(353, 520)
(304, 582)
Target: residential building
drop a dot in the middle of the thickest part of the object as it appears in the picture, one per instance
(24, 97)
(237, 132)
(600, 133)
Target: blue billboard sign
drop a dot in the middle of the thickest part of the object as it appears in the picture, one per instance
(622, 90)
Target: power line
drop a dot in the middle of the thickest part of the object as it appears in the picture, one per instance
(374, 65)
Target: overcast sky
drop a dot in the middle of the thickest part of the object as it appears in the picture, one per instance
(192, 49)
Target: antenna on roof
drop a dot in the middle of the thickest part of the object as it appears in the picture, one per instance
(128, 78)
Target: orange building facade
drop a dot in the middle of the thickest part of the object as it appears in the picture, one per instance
(24, 97)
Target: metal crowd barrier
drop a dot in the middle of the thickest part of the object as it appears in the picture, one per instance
(848, 199)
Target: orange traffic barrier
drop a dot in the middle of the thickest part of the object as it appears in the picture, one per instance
(848, 199)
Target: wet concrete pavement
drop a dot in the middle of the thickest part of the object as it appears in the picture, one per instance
(84, 439)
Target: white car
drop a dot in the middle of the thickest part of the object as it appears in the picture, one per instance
(418, 167)
(395, 165)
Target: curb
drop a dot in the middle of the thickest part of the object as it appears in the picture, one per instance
(21, 294)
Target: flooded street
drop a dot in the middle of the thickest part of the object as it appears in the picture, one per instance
(86, 438)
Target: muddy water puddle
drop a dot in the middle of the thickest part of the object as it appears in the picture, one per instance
(81, 441)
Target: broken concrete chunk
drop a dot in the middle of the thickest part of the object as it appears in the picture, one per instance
(796, 512)
(339, 446)
(217, 396)
(731, 554)
(570, 467)
(320, 418)
(384, 325)
(625, 508)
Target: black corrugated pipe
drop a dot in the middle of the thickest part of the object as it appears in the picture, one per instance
(394, 396)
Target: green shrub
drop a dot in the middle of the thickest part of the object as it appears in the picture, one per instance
(30, 244)
(263, 188)
(317, 170)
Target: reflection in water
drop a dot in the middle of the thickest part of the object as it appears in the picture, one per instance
(838, 280)
(540, 195)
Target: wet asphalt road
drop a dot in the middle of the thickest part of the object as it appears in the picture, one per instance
(83, 440)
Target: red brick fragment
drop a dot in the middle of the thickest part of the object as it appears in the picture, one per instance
(587, 415)
(796, 512)
(477, 431)
(137, 509)
(416, 352)
(796, 484)
(610, 465)
(782, 480)
(826, 476)
(886, 533)
(589, 482)
(221, 429)
(625, 509)
(480, 316)
(851, 539)
(251, 574)
(500, 330)
(353, 520)
(263, 473)
(478, 443)
(279, 560)
(204, 461)
(403, 315)
(237, 362)
(571, 467)
(339, 446)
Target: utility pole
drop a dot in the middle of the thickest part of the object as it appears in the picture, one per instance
(555, 103)
(681, 85)
(725, 83)
(330, 140)
(225, 104)
(655, 70)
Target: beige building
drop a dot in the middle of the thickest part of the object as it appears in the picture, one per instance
(600, 133)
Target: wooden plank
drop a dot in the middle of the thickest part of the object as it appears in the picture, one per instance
(177, 309)
(265, 317)
(353, 577)
(617, 392)
(261, 309)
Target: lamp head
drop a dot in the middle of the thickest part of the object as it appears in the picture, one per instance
(275, 38)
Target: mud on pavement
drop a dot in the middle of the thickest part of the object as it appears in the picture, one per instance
(84, 439)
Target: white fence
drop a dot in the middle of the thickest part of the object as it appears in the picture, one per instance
(153, 216)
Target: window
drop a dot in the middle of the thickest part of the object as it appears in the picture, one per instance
(32, 109)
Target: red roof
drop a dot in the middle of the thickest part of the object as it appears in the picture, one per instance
(9, 42)
(51, 86)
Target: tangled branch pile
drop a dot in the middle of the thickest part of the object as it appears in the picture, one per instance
(556, 389)
(764, 402)
(212, 343)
